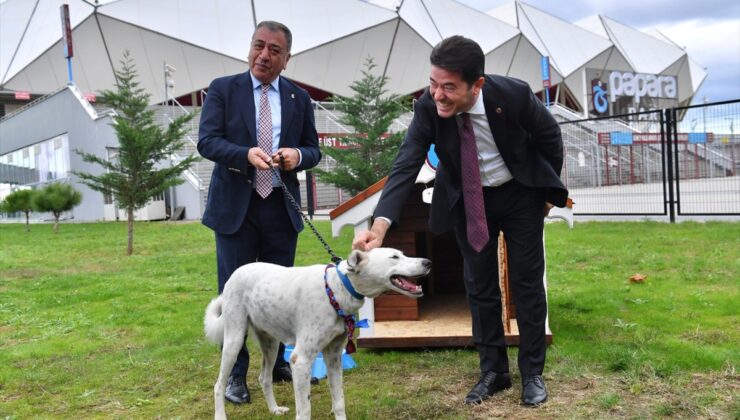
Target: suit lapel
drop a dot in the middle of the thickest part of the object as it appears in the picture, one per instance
(287, 106)
(245, 100)
(495, 110)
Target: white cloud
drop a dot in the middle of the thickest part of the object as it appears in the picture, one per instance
(715, 45)
(709, 30)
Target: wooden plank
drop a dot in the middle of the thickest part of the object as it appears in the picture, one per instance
(395, 299)
(397, 314)
(362, 196)
(444, 321)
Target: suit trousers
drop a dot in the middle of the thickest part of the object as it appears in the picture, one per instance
(266, 235)
(516, 210)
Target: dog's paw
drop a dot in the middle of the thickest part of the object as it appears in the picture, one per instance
(279, 411)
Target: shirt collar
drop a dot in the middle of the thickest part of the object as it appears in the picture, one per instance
(478, 108)
(257, 84)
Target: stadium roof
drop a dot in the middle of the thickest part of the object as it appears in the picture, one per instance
(332, 39)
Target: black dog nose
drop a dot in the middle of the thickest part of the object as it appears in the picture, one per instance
(426, 263)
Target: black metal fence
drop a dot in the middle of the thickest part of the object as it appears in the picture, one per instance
(678, 161)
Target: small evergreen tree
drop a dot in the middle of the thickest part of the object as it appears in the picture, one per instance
(56, 198)
(133, 179)
(370, 152)
(19, 200)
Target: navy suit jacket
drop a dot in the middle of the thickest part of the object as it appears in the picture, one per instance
(227, 132)
(526, 134)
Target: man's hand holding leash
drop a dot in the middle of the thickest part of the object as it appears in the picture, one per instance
(286, 158)
(259, 159)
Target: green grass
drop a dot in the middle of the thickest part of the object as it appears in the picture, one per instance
(90, 333)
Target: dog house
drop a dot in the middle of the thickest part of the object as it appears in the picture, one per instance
(441, 317)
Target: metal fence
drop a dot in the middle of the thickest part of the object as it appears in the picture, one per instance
(681, 161)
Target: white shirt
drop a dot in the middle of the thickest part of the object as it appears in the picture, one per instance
(273, 97)
(493, 170)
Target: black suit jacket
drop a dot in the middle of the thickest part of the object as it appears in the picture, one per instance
(227, 132)
(526, 134)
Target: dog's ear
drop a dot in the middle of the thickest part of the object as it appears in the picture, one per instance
(355, 260)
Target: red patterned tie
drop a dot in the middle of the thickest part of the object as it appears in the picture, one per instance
(263, 179)
(475, 213)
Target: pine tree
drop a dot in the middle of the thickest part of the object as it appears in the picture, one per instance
(369, 154)
(19, 200)
(137, 174)
(56, 198)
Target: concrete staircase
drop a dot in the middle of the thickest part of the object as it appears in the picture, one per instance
(199, 174)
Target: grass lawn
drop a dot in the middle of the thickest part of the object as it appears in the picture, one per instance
(87, 332)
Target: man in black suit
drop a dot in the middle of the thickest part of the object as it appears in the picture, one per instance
(500, 155)
(250, 123)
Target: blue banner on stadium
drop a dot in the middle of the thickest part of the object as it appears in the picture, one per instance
(697, 138)
(620, 138)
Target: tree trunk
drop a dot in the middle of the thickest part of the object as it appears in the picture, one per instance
(28, 227)
(56, 221)
(130, 247)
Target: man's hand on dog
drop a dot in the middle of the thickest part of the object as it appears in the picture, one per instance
(373, 238)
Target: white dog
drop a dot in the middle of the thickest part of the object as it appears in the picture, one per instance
(293, 306)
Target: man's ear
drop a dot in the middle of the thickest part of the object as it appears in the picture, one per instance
(355, 260)
(479, 84)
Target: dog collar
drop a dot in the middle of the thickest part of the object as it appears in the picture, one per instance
(349, 319)
(348, 285)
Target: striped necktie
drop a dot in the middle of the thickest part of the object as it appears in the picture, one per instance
(475, 213)
(263, 181)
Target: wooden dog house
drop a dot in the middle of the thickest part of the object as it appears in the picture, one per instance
(441, 317)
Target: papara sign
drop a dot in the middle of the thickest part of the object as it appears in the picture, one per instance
(638, 85)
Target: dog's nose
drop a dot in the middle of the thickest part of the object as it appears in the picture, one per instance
(427, 263)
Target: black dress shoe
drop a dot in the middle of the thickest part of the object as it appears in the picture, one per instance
(533, 390)
(237, 391)
(282, 373)
(489, 383)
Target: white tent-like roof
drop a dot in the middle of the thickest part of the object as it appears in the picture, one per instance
(697, 73)
(568, 46)
(331, 41)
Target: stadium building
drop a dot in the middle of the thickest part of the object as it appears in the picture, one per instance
(591, 68)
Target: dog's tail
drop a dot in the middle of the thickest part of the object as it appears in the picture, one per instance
(213, 322)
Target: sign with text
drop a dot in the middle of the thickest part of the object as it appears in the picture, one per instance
(335, 139)
(332, 140)
(620, 138)
(545, 71)
(622, 92)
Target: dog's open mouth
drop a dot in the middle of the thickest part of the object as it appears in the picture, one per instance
(406, 285)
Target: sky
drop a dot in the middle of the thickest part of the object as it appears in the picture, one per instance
(709, 31)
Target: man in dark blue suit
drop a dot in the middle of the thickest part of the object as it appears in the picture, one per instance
(250, 123)
(500, 155)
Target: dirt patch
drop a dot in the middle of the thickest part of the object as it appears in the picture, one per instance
(22, 273)
(703, 396)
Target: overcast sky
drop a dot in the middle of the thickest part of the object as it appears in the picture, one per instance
(709, 30)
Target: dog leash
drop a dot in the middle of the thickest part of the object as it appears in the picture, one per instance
(334, 258)
(349, 320)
